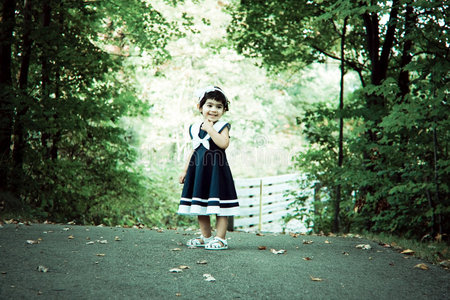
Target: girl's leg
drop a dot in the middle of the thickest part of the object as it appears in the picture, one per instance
(205, 225)
(222, 224)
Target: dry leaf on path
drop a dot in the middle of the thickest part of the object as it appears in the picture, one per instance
(307, 242)
(363, 246)
(327, 242)
(90, 243)
(421, 266)
(183, 267)
(262, 247)
(100, 254)
(66, 228)
(116, 238)
(345, 253)
(175, 249)
(408, 252)
(315, 278)
(70, 237)
(42, 269)
(445, 263)
(209, 277)
(175, 270)
(281, 251)
(202, 262)
(294, 235)
(307, 258)
(102, 241)
(32, 242)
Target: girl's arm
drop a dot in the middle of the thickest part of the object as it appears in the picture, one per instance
(222, 140)
(183, 174)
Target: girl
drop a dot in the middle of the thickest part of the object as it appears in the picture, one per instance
(208, 184)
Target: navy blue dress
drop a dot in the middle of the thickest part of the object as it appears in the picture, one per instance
(209, 186)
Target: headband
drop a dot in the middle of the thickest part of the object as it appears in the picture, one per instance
(201, 93)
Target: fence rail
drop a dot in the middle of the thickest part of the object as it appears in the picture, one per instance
(265, 201)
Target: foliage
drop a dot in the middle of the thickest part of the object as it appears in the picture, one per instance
(395, 174)
(67, 155)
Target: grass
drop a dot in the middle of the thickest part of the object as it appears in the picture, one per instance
(431, 251)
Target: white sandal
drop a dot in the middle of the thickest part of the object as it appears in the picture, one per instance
(200, 241)
(217, 244)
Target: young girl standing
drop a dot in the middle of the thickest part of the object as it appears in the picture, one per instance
(208, 184)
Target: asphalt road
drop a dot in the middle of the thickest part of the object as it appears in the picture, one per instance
(86, 262)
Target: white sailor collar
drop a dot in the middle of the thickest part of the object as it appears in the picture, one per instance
(195, 130)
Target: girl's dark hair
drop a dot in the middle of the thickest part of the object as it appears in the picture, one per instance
(217, 95)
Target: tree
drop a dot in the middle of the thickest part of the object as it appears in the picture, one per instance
(64, 92)
(387, 43)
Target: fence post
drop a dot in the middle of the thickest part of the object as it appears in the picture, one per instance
(260, 205)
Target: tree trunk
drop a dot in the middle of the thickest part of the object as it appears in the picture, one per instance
(22, 108)
(341, 130)
(45, 75)
(403, 78)
(437, 217)
(6, 95)
(379, 55)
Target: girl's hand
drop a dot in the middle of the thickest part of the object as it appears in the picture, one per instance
(182, 177)
(207, 125)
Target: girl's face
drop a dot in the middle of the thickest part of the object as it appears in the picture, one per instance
(212, 110)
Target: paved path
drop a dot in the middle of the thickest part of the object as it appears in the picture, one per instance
(137, 267)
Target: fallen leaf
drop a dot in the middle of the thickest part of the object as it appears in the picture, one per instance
(364, 246)
(42, 269)
(178, 294)
(327, 242)
(307, 258)
(407, 251)
(438, 237)
(345, 253)
(175, 270)
(307, 242)
(202, 262)
(117, 238)
(90, 243)
(315, 278)
(262, 247)
(100, 254)
(385, 245)
(209, 277)
(182, 267)
(421, 266)
(294, 235)
(4, 273)
(445, 264)
(281, 251)
(32, 242)
(102, 241)
(70, 237)
(259, 234)
(175, 249)
(66, 228)
(71, 223)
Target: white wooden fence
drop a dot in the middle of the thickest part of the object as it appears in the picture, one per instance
(264, 202)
